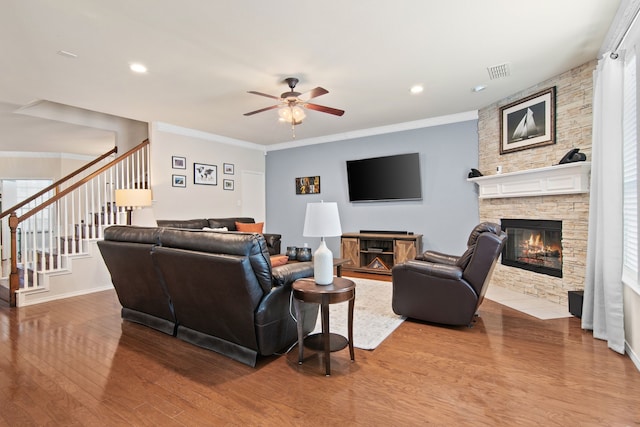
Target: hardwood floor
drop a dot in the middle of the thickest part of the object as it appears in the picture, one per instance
(75, 362)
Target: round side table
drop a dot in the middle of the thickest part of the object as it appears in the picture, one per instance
(306, 290)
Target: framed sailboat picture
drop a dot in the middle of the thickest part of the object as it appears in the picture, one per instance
(528, 122)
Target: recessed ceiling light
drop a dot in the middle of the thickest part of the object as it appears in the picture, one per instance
(479, 88)
(417, 89)
(138, 68)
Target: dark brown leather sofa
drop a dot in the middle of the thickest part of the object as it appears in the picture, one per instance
(273, 240)
(216, 290)
(448, 289)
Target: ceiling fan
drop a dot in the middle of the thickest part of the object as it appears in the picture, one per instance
(291, 103)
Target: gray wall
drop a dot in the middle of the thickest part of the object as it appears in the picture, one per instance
(445, 215)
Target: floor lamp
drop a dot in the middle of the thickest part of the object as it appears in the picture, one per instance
(132, 198)
(322, 220)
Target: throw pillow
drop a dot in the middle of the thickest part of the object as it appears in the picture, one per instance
(215, 229)
(277, 260)
(250, 228)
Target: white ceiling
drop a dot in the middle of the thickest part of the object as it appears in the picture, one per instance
(204, 55)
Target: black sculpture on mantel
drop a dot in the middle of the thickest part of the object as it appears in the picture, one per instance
(573, 156)
(474, 173)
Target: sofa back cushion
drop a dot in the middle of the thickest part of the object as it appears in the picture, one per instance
(214, 294)
(195, 224)
(123, 233)
(249, 245)
(127, 254)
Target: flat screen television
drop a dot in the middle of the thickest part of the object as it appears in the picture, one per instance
(385, 178)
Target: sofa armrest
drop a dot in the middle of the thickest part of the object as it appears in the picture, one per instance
(273, 243)
(443, 271)
(285, 275)
(438, 257)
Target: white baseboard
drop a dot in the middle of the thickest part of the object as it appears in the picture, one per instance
(48, 297)
(632, 355)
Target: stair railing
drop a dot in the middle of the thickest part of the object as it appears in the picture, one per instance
(62, 223)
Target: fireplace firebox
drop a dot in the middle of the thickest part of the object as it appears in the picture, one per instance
(534, 245)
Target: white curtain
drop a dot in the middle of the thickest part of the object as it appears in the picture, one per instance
(602, 309)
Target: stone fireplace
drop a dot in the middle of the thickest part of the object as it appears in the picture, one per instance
(513, 200)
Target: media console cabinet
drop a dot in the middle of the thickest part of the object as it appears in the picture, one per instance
(378, 252)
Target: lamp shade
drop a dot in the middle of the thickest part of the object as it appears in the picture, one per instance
(322, 220)
(133, 197)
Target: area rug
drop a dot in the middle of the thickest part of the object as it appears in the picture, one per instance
(373, 318)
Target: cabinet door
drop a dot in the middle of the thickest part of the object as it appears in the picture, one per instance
(350, 249)
(404, 250)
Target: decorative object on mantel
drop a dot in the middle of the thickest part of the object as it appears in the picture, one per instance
(573, 156)
(569, 178)
(529, 122)
(474, 173)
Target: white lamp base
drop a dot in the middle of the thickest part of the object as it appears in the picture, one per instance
(323, 265)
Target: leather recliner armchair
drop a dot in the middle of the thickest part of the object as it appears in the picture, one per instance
(448, 289)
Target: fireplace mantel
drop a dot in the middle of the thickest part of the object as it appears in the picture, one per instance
(569, 178)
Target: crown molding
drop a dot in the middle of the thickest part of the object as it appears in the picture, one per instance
(179, 130)
(398, 127)
(46, 155)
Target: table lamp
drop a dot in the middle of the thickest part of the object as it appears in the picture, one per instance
(322, 220)
(132, 198)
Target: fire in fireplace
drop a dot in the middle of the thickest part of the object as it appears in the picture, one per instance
(534, 245)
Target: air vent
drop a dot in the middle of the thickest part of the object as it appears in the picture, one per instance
(499, 71)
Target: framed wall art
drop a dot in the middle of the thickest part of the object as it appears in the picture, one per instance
(204, 174)
(179, 181)
(178, 162)
(227, 184)
(308, 185)
(529, 122)
(228, 168)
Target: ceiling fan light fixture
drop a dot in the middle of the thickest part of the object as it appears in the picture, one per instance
(293, 115)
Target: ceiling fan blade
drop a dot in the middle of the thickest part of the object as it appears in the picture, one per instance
(324, 109)
(262, 94)
(261, 110)
(313, 93)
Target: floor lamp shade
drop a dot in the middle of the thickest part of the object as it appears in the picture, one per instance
(132, 198)
(322, 220)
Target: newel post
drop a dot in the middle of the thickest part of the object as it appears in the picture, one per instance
(14, 279)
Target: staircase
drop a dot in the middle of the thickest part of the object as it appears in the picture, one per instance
(54, 233)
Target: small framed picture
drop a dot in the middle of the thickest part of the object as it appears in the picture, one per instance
(205, 174)
(228, 168)
(227, 184)
(528, 122)
(178, 162)
(308, 185)
(179, 181)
